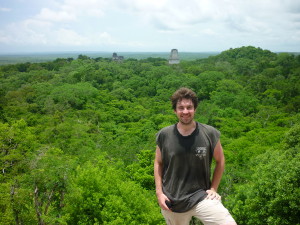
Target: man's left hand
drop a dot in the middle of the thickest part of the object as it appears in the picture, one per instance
(212, 194)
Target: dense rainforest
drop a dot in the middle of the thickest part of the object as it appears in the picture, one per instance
(77, 136)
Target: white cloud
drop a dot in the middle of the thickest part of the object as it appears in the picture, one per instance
(5, 9)
(4, 38)
(177, 16)
(94, 8)
(72, 10)
(26, 32)
(129, 23)
(208, 31)
(69, 37)
(142, 6)
(35, 32)
(55, 16)
(105, 38)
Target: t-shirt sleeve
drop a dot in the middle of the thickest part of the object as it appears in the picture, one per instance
(215, 137)
(158, 139)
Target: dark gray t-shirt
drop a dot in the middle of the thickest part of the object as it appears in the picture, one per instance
(186, 164)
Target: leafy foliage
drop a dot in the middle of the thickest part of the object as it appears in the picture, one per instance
(272, 194)
(77, 136)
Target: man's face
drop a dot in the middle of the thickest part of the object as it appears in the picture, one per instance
(185, 111)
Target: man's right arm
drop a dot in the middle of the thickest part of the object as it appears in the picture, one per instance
(158, 169)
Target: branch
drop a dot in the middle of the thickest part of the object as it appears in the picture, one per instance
(37, 206)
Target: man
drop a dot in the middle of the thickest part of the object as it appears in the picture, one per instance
(182, 164)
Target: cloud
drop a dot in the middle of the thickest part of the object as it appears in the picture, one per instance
(129, 23)
(90, 8)
(292, 6)
(55, 25)
(29, 31)
(105, 38)
(248, 16)
(181, 12)
(68, 37)
(55, 16)
(39, 33)
(5, 9)
(208, 31)
(4, 38)
(72, 10)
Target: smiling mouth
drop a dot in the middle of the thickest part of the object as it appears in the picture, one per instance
(185, 117)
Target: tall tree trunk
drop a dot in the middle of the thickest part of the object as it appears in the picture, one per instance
(37, 207)
(15, 211)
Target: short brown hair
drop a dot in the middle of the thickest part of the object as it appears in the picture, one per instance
(184, 93)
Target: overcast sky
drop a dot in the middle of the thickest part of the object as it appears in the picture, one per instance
(148, 25)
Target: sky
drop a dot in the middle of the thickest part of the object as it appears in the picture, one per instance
(148, 25)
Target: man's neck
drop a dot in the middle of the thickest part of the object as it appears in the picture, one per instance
(186, 129)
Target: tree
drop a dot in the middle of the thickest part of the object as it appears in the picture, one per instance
(100, 194)
(230, 94)
(141, 170)
(99, 117)
(272, 195)
(18, 144)
(72, 95)
(48, 182)
(208, 83)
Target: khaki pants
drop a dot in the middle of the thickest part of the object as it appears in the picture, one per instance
(210, 212)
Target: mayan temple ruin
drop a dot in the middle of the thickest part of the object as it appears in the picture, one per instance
(174, 58)
(117, 58)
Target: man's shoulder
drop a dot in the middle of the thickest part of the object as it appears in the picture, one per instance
(163, 133)
(167, 129)
(207, 128)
